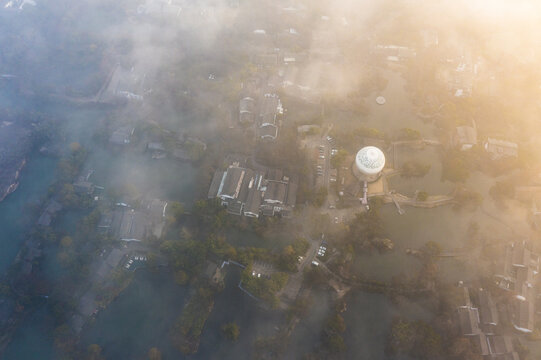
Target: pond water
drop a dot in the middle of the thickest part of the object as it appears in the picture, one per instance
(142, 317)
(431, 182)
(368, 319)
(34, 340)
(307, 334)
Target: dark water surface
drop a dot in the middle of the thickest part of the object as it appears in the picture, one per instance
(35, 179)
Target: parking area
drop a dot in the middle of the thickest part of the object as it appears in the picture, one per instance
(323, 148)
(134, 261)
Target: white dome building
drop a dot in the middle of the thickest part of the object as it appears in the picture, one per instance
(369, 163)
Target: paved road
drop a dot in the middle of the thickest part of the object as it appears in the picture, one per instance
(293, 286)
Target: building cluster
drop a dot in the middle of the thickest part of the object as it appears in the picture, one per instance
(252, 193)
(128, 224)
(519, 277)
(465, 138)
(263, 110)
(395, 53)
(479, 323)
(124, 85)
(480, 320)
(305, 75)
(462, 78)
(180, 147)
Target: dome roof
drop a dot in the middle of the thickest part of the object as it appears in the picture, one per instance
(370, 160)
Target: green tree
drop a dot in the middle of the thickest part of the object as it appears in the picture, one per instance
(408, 134)
(422, 196)
(319, 196)
(335, 343)
(93, 352)
(66, 242)
(431, 249)
(231, 331)
(336, 324)
(502, 189)
(338, 159)
(154, 354)
(176, 210)
(181, 278)
(67, 196)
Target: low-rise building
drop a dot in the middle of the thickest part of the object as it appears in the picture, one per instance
(464, 137)
(157, 149)
(469, 320)
(268, 132)
(270, 108)
(500, 148)
(523, 315)
(122, 135)
(488, 312)
(83, 187)
(501, 348)
(303, 129)
(128, 224)
(156, 210)
(264, 59)
(247, 110)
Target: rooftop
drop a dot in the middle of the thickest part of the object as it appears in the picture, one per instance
(469, 320)
(465, 135)
(231, 182)
(489, 313)
(501, 148)
(276, 192)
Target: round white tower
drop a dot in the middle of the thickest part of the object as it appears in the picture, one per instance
(369, 163)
